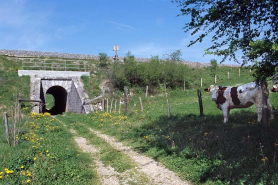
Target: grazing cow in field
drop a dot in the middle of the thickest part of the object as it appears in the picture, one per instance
(275, 84)
(243, 96)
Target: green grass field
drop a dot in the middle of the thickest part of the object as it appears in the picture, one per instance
(239, 152)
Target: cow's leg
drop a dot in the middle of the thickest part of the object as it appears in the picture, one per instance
(225, 113)
(259, 112)
(270, 111)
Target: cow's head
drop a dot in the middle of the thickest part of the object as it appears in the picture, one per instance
(274, 88)
(213, 89)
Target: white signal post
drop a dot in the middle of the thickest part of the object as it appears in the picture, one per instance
(116, 49)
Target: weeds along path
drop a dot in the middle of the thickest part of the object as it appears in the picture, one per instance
(108, 176)
(106, 173)
(157, 173)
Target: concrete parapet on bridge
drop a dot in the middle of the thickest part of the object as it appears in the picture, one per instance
(66, 88)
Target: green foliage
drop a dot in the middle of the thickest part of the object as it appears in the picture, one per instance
(11, 84)
(175, 56)
(214, 66)
(268, 51)
(46, 154)
(103, 60)
(50, 101)
(151, 73)
(235, 26)
(129, 58)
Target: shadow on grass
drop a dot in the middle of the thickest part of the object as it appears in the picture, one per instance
(241, 151)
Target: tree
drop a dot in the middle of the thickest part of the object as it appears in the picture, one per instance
(214, 66)
(103, 60)
(175, 56)
(129, 57)
(235, 24)
(249, 26)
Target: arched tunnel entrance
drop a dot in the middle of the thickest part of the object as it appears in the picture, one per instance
(60, 100)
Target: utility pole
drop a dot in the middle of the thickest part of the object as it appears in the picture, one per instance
(116, 49)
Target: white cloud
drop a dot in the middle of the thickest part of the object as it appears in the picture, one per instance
(121, 25)
(22, 25)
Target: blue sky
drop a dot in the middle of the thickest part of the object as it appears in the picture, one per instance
(144, 27)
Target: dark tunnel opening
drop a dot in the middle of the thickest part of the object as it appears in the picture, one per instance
(60, 100)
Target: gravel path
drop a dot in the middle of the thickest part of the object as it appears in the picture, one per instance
(155, 171)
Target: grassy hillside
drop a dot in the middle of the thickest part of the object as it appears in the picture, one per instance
(11, 84)
(239, 152)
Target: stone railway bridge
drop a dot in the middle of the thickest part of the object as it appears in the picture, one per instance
(66, 88)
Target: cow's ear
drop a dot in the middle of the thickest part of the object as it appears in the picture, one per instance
(207, 90)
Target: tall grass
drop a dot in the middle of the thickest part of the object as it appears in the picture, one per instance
(46, 154)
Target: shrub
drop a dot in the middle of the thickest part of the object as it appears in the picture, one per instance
(103, 60)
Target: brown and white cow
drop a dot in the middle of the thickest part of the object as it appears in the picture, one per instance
(243, 96)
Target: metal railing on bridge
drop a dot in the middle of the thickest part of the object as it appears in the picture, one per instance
(53, 64)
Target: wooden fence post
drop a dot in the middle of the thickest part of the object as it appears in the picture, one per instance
(201, 106)
(19, 108)
(147, 89)
(103, 97)
(115, 105)
(125, 94)
(168, 106)
(7, 127)
(239, 72)
(141, 104)
(228, 75)
(107, 104)
(14, 124)
(120, 105)
(111, 106)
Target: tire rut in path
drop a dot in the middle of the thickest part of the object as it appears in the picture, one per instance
(156, 172)
(107, 175)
